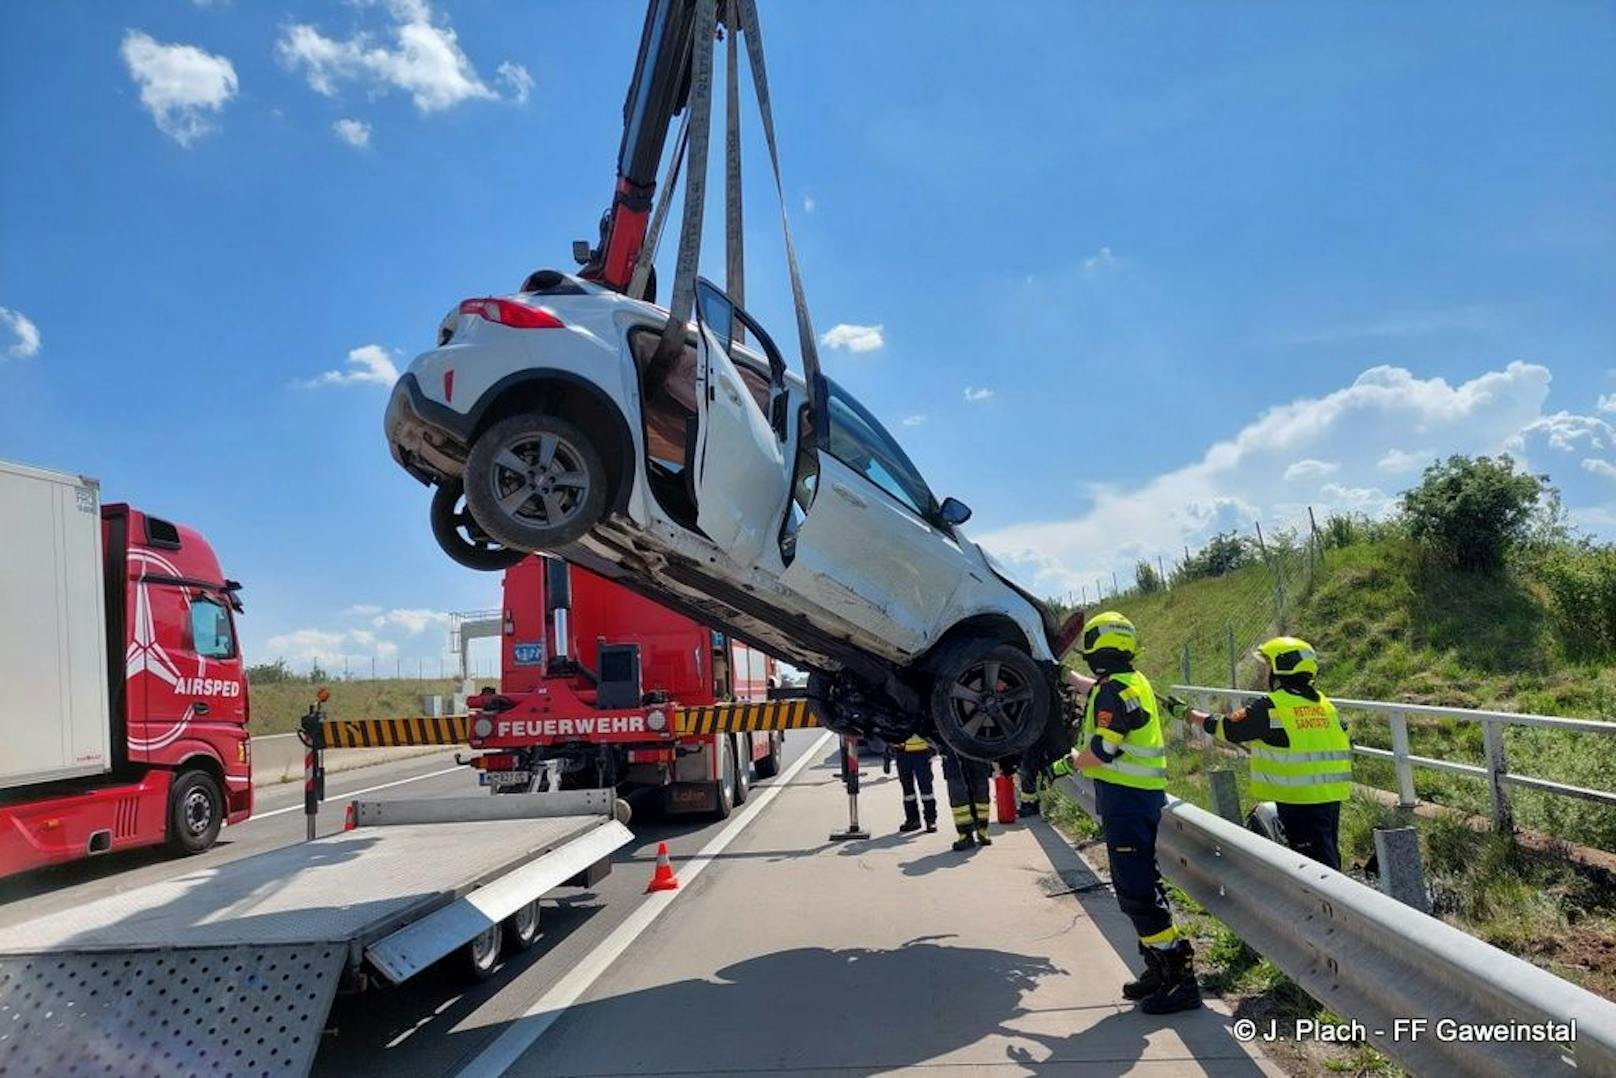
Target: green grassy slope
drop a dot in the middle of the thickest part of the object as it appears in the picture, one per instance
(277, 707)
(1391, 626)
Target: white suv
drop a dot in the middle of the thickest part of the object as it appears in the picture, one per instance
(720, 483)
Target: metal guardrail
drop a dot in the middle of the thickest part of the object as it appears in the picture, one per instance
(1495, 773)
(1372, 959)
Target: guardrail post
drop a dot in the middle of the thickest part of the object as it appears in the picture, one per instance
(1402, 873)
(1226, 795)
(1492, 733)
(1405, 770)
(1234, 680)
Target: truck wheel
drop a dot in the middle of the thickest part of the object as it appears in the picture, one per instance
(989, 700)
(743, 768)
(535, 482)
(769, 766)
(724, 788)
(461, 537)
(195, 812)
(481, 954)
(522, 928)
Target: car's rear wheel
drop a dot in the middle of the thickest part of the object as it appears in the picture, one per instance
(989, 700)
(461, 537)
(535, 482)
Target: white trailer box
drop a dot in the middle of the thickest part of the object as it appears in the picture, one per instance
(54, 720)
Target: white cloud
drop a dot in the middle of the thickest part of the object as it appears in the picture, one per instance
(913, 420)
(1607, 402)
(413, 622)
(977, 393)
(369, 364)
(853, 337)
(363, 610)
(1397, 462)
(1099, 260)
(424, 60)
(1231, 486)
(808, 204)
(329, 648)
(22, 327)
(1599, 467)
(179, 84)
(355, 133)
(1311, 469)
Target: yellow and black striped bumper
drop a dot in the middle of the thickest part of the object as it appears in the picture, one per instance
(389, 733)
(737, 718)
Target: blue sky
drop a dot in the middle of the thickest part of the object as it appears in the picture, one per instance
(1112, 272)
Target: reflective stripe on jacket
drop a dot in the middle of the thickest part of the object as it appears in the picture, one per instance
(1316, 767)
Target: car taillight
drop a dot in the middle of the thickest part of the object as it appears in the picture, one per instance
(509, 313)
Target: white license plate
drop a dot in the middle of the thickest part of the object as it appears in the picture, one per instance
(507, 778)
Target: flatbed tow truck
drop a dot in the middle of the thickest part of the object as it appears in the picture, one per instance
(233, 969)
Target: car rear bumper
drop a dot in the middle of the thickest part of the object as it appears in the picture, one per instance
(425, 438)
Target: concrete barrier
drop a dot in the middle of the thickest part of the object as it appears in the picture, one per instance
(279, 758)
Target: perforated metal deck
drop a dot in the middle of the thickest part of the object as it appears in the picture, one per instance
(231, 970)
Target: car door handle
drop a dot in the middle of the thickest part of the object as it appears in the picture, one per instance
(200, 707)
(848, 496)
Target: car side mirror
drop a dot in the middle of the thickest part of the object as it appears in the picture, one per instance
(953, 512)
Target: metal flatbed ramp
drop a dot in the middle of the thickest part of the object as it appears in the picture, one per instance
(231, 970)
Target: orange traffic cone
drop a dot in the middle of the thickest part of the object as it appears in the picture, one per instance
(662, 879)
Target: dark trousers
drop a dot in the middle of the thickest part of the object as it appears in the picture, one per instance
(967, 781)
(1313, 831)
(1130, 843)
(914, 774)
(1028, 790)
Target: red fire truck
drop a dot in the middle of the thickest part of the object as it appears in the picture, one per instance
(124, 708)
(601, 688)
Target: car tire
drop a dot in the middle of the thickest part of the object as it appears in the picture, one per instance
(819, 687)
(195, 812)
(988, 722)
(480, 954)
(769, 766)
(549, 449)
(522, 928)
(461, 537)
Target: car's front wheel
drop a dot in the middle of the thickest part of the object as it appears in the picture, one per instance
(535, 482)
(461, 537)
(989, 700)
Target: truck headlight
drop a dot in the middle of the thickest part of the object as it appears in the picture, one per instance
(656, 721)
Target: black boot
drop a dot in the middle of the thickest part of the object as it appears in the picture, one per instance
(1179, 990)
(911, 818)
(1026, 809)
(964, 842)
(1149, 982)
(929, 807)
(982, 837)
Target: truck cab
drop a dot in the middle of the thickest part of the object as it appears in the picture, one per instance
(125, 715)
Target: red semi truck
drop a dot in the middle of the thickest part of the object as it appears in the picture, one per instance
(123, 701)
(592, 679)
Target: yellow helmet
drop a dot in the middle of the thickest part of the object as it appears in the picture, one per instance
(1109, 631)
(1288, 656)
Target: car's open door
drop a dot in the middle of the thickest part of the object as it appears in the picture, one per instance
(741, 476)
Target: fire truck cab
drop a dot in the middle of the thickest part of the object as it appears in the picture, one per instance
(593, 679)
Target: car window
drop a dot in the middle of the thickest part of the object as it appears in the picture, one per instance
(211, 636)
(717, 313)
(861, 443)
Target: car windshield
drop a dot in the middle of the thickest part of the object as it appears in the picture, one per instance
(858, 440)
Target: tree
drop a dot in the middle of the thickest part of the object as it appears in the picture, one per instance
(269, 673)
(1223, 553)
(1473, 511)
(1147, 579)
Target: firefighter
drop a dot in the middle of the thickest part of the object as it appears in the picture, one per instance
(1027, 790)
(1123, 752)
(967, 781)
(913, 758)
(1301, 757)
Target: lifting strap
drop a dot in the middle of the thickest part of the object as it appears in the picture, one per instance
(699, 120)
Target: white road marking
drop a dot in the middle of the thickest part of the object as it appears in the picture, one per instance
(352, 793)
(521, 1034)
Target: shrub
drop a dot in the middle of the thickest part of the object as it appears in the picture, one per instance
(1223, 553)
(1473, 511)
(1581, 579)
(1147, 579)
(274, 673)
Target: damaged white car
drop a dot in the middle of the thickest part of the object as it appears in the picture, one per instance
(719, 482)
